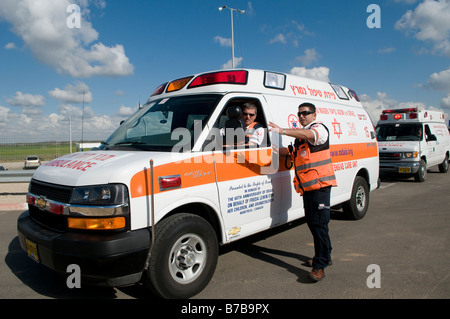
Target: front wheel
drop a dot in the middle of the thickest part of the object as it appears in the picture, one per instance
(184, 256)
(421, 175)
(356, 207)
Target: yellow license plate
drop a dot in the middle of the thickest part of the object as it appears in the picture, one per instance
(32, 250)
(404, 169)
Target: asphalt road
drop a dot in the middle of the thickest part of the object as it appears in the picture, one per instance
(400, 249)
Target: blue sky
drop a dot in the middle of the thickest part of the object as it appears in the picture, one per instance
(124, 49)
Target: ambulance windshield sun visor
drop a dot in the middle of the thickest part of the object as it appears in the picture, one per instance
(162, 124)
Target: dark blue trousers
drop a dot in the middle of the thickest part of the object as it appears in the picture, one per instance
(317, 213)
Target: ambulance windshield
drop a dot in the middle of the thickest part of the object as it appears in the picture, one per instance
(399, 132)
(165, 124)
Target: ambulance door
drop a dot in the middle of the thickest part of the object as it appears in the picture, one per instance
(431, 139)
(249, 188)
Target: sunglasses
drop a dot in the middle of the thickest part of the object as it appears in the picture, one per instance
(304, 113)
(249, 114)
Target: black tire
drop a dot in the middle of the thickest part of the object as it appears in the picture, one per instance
(184, 256)
(356, 207)
(421, 175)
(443, 167)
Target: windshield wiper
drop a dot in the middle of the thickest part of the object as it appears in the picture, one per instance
(129, 143)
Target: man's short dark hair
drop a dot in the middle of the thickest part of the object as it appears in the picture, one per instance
(310, 106)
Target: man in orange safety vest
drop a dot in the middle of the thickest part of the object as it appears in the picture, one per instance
(314, 177)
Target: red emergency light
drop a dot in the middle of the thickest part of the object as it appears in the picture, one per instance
(397, 113)
(159, 89)
(224, 77)
(408, 110)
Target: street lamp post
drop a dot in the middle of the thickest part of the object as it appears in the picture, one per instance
(232, 31)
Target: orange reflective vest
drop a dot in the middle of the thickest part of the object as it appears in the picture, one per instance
(313, 167)
(250, 130)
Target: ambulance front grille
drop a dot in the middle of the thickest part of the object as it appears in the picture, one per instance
(53, 192)
(57, 193)
(390, 156)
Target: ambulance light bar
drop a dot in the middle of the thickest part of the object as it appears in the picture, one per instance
(159, 89)
(398, 113)
(178, 84)
(408, 110)
(224, 77)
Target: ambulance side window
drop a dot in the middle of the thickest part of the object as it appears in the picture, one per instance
(220, 125)
(428, 135)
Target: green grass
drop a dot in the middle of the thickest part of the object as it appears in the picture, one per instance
(46, 151)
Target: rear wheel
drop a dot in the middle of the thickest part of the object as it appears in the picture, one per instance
(184, 256)
(443, 167)
(356, 207)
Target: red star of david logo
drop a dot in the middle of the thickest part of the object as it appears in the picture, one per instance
(337, 128)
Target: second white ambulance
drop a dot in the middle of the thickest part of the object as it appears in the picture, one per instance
(412, 140)
(167, 188)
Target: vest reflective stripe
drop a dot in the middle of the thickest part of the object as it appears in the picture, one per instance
(313, 167)
(315, 181)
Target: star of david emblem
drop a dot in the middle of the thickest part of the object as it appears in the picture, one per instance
(337, 128)
(293, 121)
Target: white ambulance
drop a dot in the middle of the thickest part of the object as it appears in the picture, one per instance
(410, 141)
(167, 188)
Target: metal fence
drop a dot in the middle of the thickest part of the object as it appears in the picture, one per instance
(18, 150)
(13, 151)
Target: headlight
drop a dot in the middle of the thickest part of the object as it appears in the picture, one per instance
(111, 194)
(410, 154)
(99, 207)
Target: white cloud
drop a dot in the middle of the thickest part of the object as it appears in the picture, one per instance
(279, 38)
(3, 114)
(386, 50)
(26, 100)
(406, 1)
(73, 94)
(10, 46)
(290, 33)
(320, 73)
(42, 24)
(441, 81)
(430, 23)
(55, 126)
(310, 56)
(229, 64)
(374, 106)
(125, 111)
(224, 42)
(250, 11)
